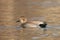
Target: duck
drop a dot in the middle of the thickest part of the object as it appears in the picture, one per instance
(23, 20)
(25, 23)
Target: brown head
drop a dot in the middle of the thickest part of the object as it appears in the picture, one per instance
(22, 19)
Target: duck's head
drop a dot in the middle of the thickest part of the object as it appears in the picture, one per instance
(22, 19)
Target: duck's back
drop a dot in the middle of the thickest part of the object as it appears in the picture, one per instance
(29, 25)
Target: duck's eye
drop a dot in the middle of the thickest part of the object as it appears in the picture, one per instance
(23, 19)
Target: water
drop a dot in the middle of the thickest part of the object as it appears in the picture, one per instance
(30, 33)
